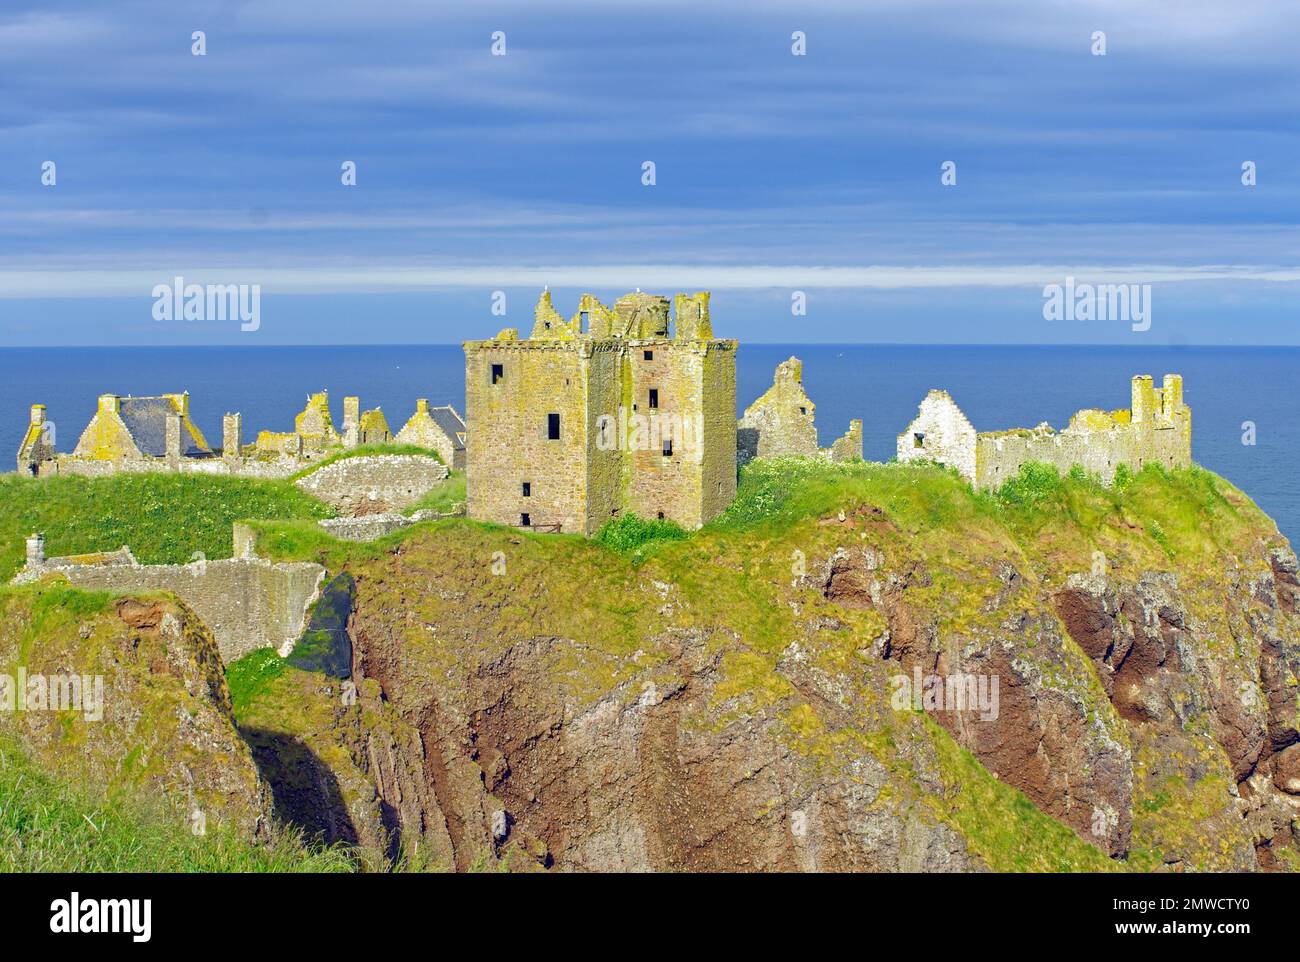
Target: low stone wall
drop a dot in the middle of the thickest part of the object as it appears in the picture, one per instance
(248, 603)
(366, 528)
(240, 467)
(998, 457)
(374, 484)
(372, 526)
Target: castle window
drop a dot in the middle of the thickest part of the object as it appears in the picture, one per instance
(668, 447)
(584, 317)
(552, 427)
(528, 489)
(525, 521)
(649, 355)
(918, 440)
(803, 410)
(498, 372)
(654, 398)
(661, 515)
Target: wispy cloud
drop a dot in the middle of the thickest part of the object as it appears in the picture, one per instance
(469, 163)
(136, 283)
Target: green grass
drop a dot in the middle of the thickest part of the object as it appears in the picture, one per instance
(631, 534)
(443, 497)
(367, 450)
(1036, 483)
(1001, 824)
(252, 675)
(47, 826)
(163, 518)
(775, 494)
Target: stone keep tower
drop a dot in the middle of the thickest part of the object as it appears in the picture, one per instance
(604, 413)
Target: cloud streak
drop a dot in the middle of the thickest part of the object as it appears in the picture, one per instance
(354, 280)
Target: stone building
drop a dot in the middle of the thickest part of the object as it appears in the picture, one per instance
(123, 429)
(1156, 429)
(603, 413)
(780, 423)
(440, 429)
(313, 430)
(37, 445)
(143, 434)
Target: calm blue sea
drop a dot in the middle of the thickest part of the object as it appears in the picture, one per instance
(998, 387)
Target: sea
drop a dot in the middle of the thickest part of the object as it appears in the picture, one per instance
(1244, 400)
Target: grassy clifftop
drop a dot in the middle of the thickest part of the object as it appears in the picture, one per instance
(163, 518)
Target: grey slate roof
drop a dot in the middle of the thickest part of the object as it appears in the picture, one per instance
(146, 419)
(451, 424)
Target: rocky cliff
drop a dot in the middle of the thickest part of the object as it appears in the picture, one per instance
(858, 668)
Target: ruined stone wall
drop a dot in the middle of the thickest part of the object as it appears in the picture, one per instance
(365, 528)
(999, 456)
(242, 467)
(247, 603)
(780, 424)
(373, 484)
(507, 443)
(848, 447)
(940, 432)
(1157, 429)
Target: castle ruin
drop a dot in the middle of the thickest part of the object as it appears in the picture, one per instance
(143, 434)
(1156, 429)
(608, 411)
(780, 423)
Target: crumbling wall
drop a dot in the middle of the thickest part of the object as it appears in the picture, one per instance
(244, 468)
(247, 603)
(940, 432)
(373, 484)
(1156, 429)
(780, 423)
(848, 447)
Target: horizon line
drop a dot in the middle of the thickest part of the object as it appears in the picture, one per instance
(962, 344)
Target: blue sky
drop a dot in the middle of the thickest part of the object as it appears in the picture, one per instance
(775, 173)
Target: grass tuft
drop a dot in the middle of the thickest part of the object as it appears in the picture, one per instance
(46, 826)
(630, 534)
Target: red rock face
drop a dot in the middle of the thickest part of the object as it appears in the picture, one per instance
(1141, 643)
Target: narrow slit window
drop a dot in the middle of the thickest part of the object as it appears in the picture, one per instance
(552, 427)
(498, 373)
(654, 398)
(528, 489)
(668, 448)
